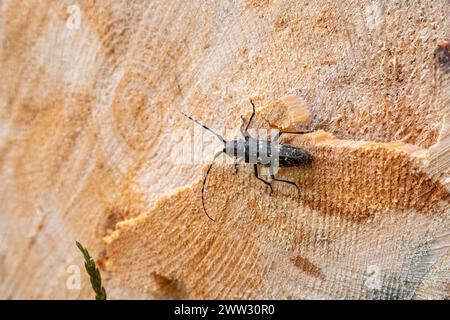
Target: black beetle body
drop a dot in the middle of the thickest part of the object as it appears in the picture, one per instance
(268, 153)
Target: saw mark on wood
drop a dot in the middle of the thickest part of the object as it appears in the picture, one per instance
(350, 181)
(307, 266)
(113, 216)
(166, 288)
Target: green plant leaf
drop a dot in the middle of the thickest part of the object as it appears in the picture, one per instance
(93, 272)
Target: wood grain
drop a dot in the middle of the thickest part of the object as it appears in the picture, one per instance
(93, 148)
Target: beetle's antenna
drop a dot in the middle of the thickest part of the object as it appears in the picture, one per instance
(204, 182)
(205, 127)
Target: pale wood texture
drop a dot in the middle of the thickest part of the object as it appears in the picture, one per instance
(92, 148)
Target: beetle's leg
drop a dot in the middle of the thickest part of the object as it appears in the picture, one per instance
(255, 166)
(236, 163)
(277, 136)
(243, 131)
(251, 117)
(272, 176)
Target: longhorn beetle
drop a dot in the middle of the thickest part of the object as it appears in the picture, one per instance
(251, 150)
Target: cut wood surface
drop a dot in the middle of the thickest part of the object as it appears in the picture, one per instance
(93, 148)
